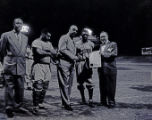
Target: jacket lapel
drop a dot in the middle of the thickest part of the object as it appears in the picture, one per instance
(15, 42)
(22, 45)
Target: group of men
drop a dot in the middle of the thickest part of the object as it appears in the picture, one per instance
(70, 55)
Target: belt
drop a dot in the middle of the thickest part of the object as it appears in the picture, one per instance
(42, 63)
(15, 56)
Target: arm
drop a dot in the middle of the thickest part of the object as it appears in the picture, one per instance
(37, 48)
(69, 54)
(64, 51)
(112, 52)
(42, 52)
(53, 51)
(115, 50)
(3, 42)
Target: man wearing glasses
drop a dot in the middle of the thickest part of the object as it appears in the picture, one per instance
(108, 71)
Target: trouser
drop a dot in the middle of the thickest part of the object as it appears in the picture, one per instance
(81, 88)
(107, 84)
(84, 75)
(41, 75)
(39, 90)
(65, 79)
(14, 90)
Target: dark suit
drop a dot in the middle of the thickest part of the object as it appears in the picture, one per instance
(107, 73)
(12, 53)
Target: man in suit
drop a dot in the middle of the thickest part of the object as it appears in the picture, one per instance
(13, 45)
(83, 70)
(108, 71)
(67, 49)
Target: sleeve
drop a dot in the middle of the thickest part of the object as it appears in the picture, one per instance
(36, 44)
(92, 45)
(3, 42)
(62, 44)
(115, 49)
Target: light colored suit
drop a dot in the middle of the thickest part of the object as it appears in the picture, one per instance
(12, 53)
(66, 67)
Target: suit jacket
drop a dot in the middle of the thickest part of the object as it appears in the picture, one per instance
(12, 52)
(68, 50)
(111, 49)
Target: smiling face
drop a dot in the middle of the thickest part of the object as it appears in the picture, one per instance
(103, 37)
(73, 31)
(18, 23)
(85, 35)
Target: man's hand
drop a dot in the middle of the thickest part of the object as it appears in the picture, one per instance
(76, 58)
(81, 58)
(106, 55)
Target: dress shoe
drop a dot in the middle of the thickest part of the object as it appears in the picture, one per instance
(9, 113)
(68, 108)
(111, 104)
(41, 106)
(35, 110)
(91, 103)
(16, 106)
(104, 104)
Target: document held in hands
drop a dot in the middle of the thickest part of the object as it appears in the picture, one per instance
(95, 59)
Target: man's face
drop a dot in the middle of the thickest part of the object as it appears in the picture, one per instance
(84, 35)
(46, 36)
(18, 23)
(73, 31)
(103, 38)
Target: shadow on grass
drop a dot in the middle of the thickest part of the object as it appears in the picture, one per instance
(55, 109)
(134, 106)
(124, 68)
(143, 88)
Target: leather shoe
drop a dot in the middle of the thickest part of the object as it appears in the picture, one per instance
(68, 108)
(111, 105)
(91, 103)
(35, 110)
(103, 104)
(9, 113)
(16, 106)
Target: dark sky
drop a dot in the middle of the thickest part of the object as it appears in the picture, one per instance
(128, 22)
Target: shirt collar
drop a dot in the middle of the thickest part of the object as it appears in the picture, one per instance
(16, 32)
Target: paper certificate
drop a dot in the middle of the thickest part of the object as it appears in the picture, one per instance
(95, 59)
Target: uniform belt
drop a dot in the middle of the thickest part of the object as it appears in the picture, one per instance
(15, 56)
(42, 63)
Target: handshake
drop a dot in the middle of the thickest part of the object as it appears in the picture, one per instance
(79, 58)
